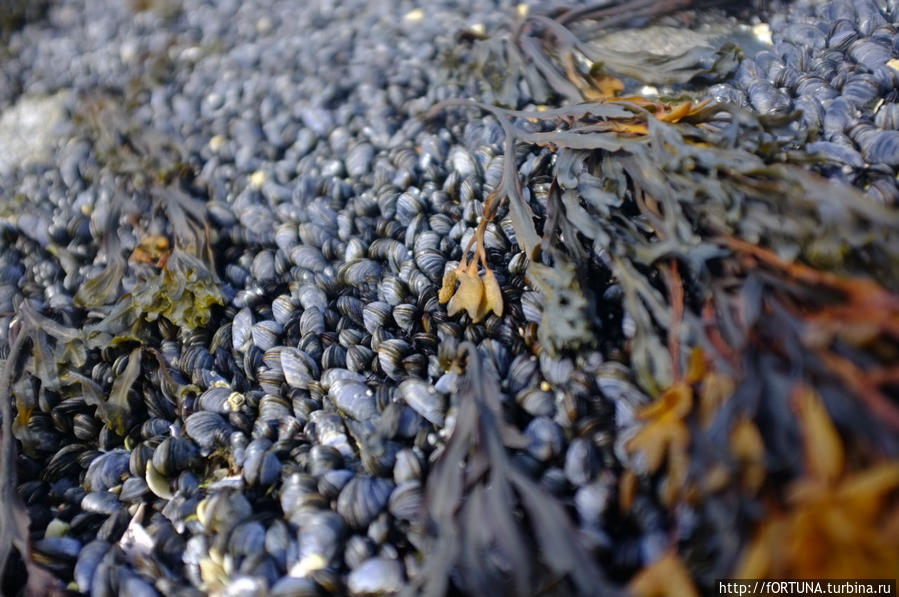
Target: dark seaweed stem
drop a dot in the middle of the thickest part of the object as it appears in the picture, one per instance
(560, 85)
(866, 303)
(189, 222)
(104, 287)
(564, 43)
(9, 532)
(14, 519)
(473, 500)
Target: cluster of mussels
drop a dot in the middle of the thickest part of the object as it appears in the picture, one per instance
(836, 63)
(237, 361)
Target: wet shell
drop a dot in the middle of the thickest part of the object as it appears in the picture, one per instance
(323, 459)
(359, 272)
(311, 296)
(883, 148)
(407, 466)
(298, 368)
(359, 358)
(581, 462)
(354, 399)
(312, 321)
(376, 576)
(216, 400)
(536, 402)
(393, 291)
(424, 399)
(107, 471)
(89, 559)
(545, 438)
(332, 482)
(362, 499)
(351, 308)
(406, 316)
(174, 455)
(406, 501)
(241, 329)
(887, 117)
(292, 586)
(357, 550)
(321, 535)
(101, 502)
(391, 353)
(261, 466)
(283, 308)
(359, 159)
(207, 429)
(308, 257)
(375, 315)
(265, 334)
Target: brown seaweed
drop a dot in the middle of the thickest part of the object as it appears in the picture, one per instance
(104, 287)
(183, 292)
(745, 279)
(477, 502)
(14, 518)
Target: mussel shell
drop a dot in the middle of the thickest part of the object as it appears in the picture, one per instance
(89, 559)
(292, 586)
(207, 429)
(545, 438)
(424, 399)
(362, 499)
(406, 501)
(377, 576)
(246, 539)
(261, 466)
(175, 454)
(354, 399)
(375, 315)
(320, 539)
(107, 470)
(581, 461)
(101, 502)
(408, 466)
(298, 367)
